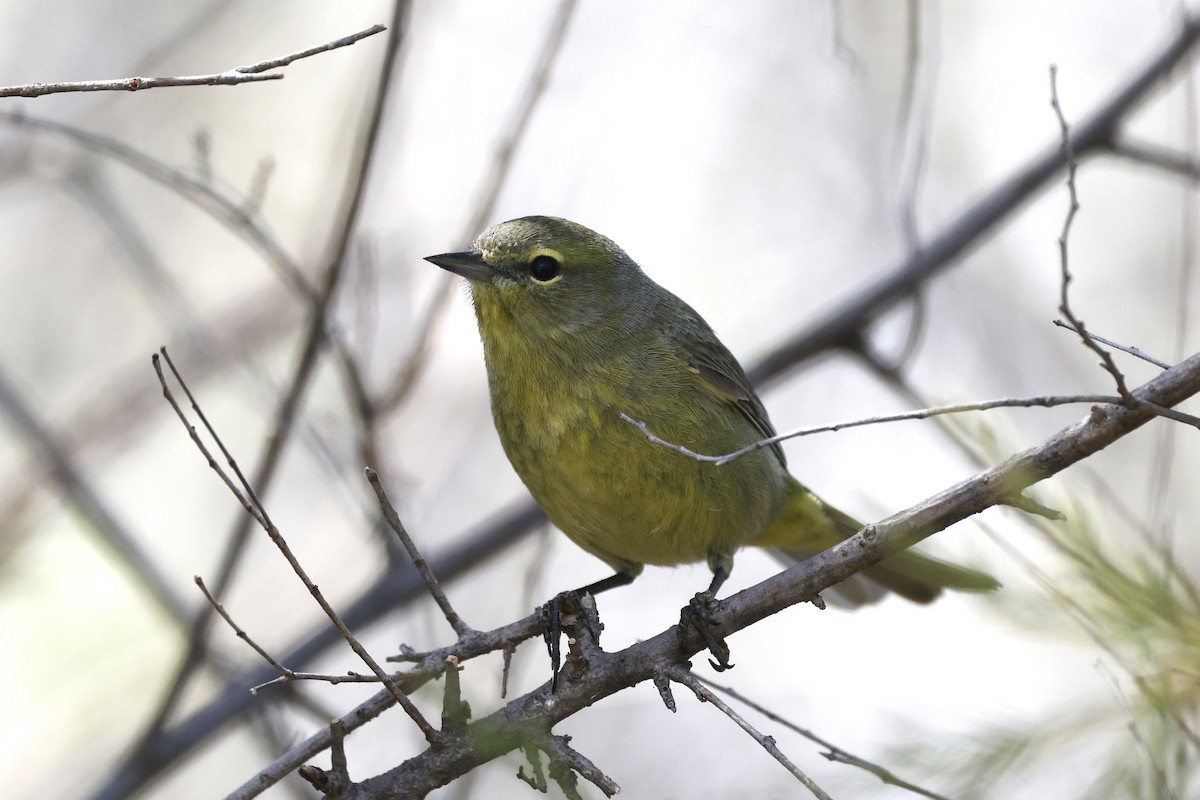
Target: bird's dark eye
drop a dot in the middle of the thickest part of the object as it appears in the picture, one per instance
(544, 268)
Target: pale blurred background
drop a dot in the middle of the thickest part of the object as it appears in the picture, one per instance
(756, 158)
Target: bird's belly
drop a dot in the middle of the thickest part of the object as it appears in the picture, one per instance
(629, 501)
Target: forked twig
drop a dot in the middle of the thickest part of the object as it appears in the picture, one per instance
(1075, 323)
(249, 500)
(244, 74)
(286, 674)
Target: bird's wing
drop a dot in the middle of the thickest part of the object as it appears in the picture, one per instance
(720, 372)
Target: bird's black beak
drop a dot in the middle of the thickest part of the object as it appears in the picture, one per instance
(469, 264)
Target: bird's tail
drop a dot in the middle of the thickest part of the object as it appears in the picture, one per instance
(807, 525)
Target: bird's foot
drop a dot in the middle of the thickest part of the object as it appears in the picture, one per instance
(699, 616)
(567, 611)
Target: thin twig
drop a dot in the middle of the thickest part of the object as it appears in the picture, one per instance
(924, 413)
(286, 674)
(1133, 351)
(283, 61)
(1075, 323)
(686, 678)
(314, 338)
(249, 500)
(383, 595)
(834, 753)
(244, 74)
(316, 677)
(246, 494)
(237, 629)
(435, 589)
(563, 756)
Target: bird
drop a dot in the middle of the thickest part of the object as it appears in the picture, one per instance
(577, 340)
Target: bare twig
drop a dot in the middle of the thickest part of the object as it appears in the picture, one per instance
(1133, 351)
(834, 753)
(249, 500)
(435, 589)
(314, 338)
(1076, 324)
(382, 596)
(924, 413)
(243, 489)
(244, 74)
(685, 677)
(241, 634)
(286, 674)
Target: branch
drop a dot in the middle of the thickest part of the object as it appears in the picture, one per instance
(245, 74)
(388, 592)
(528, 717)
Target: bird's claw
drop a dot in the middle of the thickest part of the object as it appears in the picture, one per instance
(698, 615)
(567, 610)
(552, 613)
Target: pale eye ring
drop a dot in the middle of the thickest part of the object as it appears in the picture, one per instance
(544, 268)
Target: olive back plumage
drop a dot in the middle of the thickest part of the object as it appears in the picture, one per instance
(575, 334)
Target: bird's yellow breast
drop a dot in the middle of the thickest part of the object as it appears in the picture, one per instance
(616, 494)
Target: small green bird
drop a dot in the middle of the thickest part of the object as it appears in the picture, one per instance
(575, 334)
